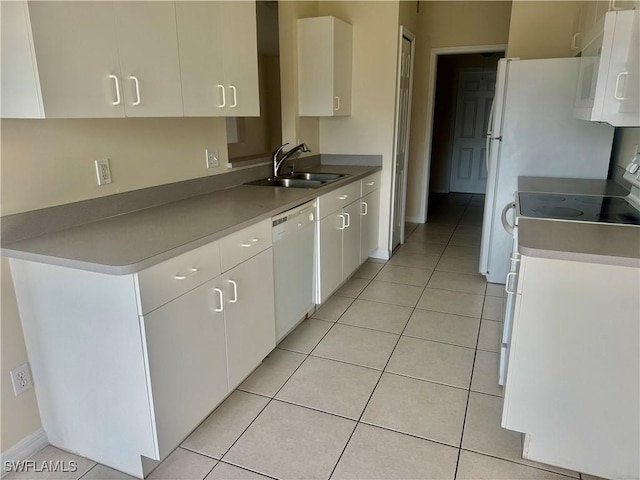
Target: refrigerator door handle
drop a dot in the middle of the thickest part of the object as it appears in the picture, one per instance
(505, 222)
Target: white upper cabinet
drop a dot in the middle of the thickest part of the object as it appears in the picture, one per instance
(609, 77)
(324, 67)
(100, 59)
(149, 65)
(20, 85)
(77, 59)
(218, 58)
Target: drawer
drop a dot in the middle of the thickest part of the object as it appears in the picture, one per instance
(335, 200)
(371, 183)
(239, 246)
(170, 279)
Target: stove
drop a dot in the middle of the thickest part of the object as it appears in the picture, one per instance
(578, 208)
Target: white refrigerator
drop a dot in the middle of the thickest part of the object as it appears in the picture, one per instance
(532, 132)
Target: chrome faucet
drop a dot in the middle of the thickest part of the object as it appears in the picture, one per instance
(279, 158)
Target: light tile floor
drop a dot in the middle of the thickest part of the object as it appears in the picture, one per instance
(395, 376)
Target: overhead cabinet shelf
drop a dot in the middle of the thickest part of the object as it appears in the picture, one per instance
(324, 67)
(129, 59)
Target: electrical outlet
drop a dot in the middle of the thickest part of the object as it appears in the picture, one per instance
(103, 171)
(211, 157)
(21, 379)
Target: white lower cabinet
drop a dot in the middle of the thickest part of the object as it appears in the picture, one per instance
(351, 239)
(126, 366)
(572, 385)
(347, 232)
(249, 314)
(186, 352)
(370, 218)
(330, 255)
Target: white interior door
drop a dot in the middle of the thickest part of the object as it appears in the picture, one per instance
(405, 76)
(476, 89)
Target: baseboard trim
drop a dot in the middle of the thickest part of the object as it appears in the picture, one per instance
(414, 219)
(24, 449)
(380, 254)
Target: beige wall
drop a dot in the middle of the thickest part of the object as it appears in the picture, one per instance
(445, 24)
(542, 29)
(50, 162)
(19, 415)
(370, 127)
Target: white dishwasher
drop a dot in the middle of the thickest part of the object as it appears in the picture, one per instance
(293, 265)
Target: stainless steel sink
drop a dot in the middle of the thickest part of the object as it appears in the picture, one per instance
(299, 180)
(287, 182)
(322, 177)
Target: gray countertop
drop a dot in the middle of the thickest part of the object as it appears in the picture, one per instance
(133, 241)
(613, 244)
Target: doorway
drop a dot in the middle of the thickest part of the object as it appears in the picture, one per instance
(444, 73)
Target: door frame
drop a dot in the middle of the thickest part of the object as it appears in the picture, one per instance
(404, 33)
(431, 97)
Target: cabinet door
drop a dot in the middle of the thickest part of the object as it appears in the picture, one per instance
(370, 218)
(622, 96)
(342, 51)
(201, 62)
(20, 86)
(330, 255)
(148, 49)
(351, 239)
(240, 58)
(77, 57)
(249, 315)
(185, 345)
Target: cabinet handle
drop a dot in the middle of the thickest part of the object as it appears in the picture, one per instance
(366, 208)
(222, 95)
(337, 106)
(574, 45)
(235, 98)
(137, 85)
(117, 87)
(348, 220)
(344, 224)
(506, 285)
(343, 197)
(250, 243)
(235, 291)
(192, 271)
(371, 184)
(615, 90)
(612, 5)
(220, 299)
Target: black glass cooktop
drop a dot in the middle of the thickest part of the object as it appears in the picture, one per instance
(578, 208)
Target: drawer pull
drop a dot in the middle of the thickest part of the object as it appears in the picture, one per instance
(343, 197)
(220, 300)
(371, 184)
(235, 291)
(192, 271)
(250, 243)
